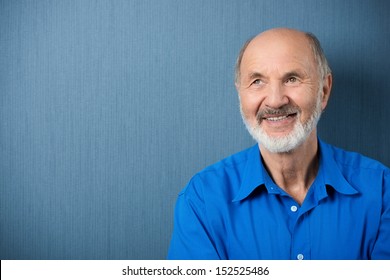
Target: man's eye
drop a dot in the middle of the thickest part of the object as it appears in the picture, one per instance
(292, 80)
(257, 82)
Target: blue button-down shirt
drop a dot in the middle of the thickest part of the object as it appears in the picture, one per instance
(234, 210)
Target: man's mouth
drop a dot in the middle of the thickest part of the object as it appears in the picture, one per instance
(279, 117)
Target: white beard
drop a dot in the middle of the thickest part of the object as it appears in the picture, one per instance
(292, 140)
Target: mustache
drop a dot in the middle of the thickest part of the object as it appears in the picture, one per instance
(282, 111)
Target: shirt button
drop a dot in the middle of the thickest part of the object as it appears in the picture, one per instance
(300, 257)
(294, 208)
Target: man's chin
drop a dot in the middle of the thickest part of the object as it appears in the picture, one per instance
(285, 143)
(277, 149)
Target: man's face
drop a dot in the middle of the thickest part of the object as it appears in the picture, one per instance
(281, 94)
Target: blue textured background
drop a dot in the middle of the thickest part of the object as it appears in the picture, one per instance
(107, 108)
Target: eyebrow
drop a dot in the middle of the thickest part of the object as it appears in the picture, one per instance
(294, 73)
(255, 75)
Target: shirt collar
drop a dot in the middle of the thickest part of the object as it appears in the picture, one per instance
(331, 172)
(255, 174)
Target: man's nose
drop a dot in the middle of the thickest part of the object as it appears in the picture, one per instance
(276, 96)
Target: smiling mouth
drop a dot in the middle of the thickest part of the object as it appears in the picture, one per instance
(279, 118)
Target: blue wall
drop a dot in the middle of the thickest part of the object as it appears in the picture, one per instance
(107, 108)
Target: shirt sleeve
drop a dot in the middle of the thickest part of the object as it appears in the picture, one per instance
(381, 249)
(191, 238)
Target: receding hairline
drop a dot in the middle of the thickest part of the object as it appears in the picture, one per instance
(313, 42)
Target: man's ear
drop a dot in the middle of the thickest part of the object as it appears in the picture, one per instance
(326, 89)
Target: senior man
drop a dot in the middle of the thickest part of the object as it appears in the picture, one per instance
(291, 196)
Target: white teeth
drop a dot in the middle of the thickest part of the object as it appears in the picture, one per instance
(274, 119)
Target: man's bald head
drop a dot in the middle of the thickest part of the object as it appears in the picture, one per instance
(307, 39)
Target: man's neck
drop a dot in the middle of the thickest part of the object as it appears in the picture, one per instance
(294, 171)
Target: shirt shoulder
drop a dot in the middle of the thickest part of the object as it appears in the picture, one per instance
(366, 175)
(221, 178)
(356, 161)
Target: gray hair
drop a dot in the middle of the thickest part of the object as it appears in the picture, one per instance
(322, 62)
(315, 45)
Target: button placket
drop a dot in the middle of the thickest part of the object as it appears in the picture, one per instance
(299, 233)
